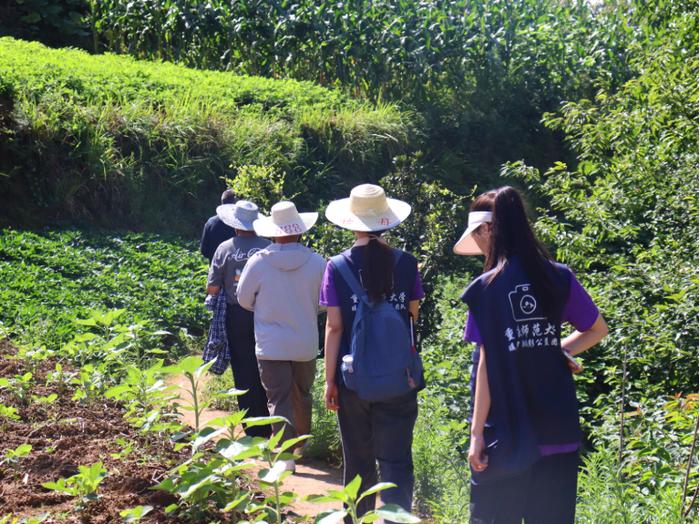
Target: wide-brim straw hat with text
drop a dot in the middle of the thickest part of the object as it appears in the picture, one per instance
(466, 245)
(240, 215)
(284, 220)
(367, 209)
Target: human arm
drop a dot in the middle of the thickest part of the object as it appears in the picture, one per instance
(579, 341)
(413, 309)
(334, 331)
(248, 285)
(215, 277)
(482, 403)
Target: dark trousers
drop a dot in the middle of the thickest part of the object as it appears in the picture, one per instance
(241, 343)
(544, 494)
(378, 432)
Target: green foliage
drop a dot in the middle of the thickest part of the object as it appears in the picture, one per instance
(18, 387)
(8, 413)
(350, 497)
(147, 398)
(261, 184)
(57, 23)
(440, 439)
(108, 139)
(626, 217)
(479, 74)
(194, 369)
(212, 479)
(84, 484)
(14, 456)
(605, 499)
(53, 277)
(135, 514)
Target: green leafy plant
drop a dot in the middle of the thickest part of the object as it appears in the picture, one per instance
(135, 514)
(126, 448)
(14, 456)
(60, 378)
(91, 382)
(8, 413)
(19, 387)
(350, 497)
(34, 356)
(194, 370)
(275, 454)
(83, 485)
(47, 400)
(147, 398)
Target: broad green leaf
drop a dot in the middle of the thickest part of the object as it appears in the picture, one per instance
(381, 486)
(330, 517)
(396, 513)
(135, 514)
(275, 474)
(353, 487)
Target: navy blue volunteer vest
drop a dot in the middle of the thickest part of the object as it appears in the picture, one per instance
(404, 279)
(533, 397)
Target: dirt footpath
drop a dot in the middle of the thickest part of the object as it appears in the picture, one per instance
(312, 477)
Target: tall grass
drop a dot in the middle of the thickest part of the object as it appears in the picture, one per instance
(115, 141)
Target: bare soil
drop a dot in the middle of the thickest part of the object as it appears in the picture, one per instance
(66, 434)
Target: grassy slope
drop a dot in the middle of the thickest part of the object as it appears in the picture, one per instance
(150, 142)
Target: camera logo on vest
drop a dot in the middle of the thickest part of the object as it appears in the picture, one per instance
(523, 304)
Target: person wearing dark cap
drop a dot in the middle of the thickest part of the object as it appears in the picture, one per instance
(216, 230)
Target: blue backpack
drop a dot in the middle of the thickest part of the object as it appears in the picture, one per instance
(385, 363)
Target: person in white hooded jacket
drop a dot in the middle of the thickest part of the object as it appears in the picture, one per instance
(281, 285)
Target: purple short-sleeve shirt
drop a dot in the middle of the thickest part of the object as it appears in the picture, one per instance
(329, 296)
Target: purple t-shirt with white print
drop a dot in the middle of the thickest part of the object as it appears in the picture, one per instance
(581, 312)
(329, 295)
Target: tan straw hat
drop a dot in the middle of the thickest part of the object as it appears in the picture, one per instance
(367, 209)
(284, 220)
(466, 244)
(239, 215)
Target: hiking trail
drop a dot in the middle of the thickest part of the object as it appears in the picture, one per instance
(312, 476)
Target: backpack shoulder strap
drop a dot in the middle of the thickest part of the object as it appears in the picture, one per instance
(397, 256)
(340, 262)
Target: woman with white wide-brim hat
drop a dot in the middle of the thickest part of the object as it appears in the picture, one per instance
(371, 431)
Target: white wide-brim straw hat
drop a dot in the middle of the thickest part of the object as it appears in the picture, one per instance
(240, 215)
(284, 220)
(466, 244)
(367, 209)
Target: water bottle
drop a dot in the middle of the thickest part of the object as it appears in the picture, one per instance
(347, 363)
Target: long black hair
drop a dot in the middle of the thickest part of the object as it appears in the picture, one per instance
(511, 235)
(378, 268)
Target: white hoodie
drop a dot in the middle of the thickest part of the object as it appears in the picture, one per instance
(281, 284)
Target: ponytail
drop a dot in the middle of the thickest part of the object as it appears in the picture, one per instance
(378, 270)
(511, 235)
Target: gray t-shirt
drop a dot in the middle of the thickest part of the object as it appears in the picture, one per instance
(228, 262)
